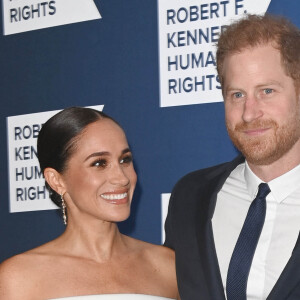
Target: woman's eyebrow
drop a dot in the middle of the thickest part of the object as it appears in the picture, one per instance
(102, 153)
(97, 154)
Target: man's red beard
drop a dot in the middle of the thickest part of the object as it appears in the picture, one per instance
(269, 147)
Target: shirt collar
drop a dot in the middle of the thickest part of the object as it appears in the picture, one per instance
(252, 181)
(281, 187)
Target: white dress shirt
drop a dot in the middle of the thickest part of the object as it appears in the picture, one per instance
(279, 233)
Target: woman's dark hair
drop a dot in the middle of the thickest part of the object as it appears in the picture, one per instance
(57, 139)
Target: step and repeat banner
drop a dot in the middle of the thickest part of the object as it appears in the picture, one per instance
(148, 64)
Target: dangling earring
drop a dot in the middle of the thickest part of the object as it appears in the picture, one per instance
(63, 207)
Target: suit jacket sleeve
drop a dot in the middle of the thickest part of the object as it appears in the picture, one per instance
(169, 241)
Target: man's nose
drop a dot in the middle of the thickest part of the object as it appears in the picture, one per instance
(252, 109)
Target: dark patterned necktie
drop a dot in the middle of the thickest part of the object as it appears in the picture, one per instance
(241, 259)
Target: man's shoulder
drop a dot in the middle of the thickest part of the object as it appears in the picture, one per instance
(202, 176)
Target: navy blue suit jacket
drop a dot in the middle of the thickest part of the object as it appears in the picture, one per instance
(189, 232)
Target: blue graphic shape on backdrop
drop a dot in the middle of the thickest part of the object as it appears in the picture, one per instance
(109, 62)
(286, 8)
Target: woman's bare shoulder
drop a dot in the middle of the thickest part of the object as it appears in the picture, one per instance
(16, 264)
(14, 276)
(159, 263)
(26, 259)
(20, 273)
(162, 256)
(155, 252)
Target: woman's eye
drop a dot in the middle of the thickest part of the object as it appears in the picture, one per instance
(100, 163)
(268, 91)
(126, 160)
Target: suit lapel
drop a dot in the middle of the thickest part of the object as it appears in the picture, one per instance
(207, 250)
(206, 243)
(290, 276)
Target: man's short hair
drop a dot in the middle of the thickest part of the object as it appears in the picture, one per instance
(254, 30)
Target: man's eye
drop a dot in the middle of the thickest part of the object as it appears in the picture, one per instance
(126, 160)
(268, 91)
(238, 95)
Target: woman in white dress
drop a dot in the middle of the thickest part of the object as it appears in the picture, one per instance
(87, 164)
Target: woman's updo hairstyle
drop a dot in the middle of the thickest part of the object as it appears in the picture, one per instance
(57, 139)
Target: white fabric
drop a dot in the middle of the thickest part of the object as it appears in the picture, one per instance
(116, 297)
(279, 234)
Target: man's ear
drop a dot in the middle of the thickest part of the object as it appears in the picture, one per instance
(54, 179)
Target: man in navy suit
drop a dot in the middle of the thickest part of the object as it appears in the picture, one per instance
(258, 62)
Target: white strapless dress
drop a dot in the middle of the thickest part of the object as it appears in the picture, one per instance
(116, 297)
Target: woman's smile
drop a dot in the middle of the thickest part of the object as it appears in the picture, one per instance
(100, 178)
(117, 197)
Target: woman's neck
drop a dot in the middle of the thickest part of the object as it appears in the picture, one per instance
(91, 238)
